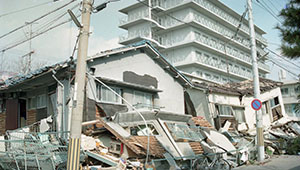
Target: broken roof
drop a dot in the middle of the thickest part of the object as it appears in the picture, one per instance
(138, 144)
(12, 81)
(239, 88)
(201, 121)
(145, 45)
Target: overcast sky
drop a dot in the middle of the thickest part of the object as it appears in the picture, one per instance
(57, 44)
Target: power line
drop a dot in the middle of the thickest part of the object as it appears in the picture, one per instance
(265, 8)
(283, 67)
(57, 25)
(274, 5)
(18, 28)
(283, 58)
(24, 9)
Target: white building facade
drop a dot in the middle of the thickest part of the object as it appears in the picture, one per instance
(290, 92)
(196, 37)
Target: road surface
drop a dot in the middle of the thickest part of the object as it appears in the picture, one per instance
(282, 162)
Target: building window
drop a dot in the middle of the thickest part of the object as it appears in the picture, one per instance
(265, 108)
(284, 91)
(224, 110)
(105, 95)
(274, 102)
(41, 101)
(32, 103)
(297, 89)
(142, 99)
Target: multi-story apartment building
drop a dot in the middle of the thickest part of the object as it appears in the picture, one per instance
(290, 91)
(197, 36)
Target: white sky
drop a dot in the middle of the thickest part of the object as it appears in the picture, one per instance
(57, 44)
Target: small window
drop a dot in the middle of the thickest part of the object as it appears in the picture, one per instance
(284, 91)
(106, 95)
(142, 99)
(32, 103)
(265, 108)
(297, 89)
(274, 102)
(224, 110)
(41, 101)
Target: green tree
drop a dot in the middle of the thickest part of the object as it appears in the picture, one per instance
(290, 29)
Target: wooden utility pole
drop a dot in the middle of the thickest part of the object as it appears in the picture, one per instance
(259, 122)
(80, 75)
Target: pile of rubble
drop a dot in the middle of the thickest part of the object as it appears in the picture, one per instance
(283, 138)
(175, 141)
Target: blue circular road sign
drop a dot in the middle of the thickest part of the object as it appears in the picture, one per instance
(256, 104)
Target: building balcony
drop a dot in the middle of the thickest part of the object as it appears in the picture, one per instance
(211, 10)
(132, 38)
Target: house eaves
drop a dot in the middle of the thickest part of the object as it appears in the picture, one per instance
(21, 82)
(129, 85)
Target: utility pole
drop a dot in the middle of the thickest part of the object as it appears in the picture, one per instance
(259, 122)
(30, 46)
(80, 75)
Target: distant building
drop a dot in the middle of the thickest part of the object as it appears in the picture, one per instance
(201, 46)
(290, 92)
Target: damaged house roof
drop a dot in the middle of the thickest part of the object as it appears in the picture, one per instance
(23, 78)
(144, 46)
(138, 144)
(239, 88)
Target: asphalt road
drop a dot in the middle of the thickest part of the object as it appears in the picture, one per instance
(283, 162)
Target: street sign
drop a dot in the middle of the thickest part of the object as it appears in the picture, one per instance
(256, 104)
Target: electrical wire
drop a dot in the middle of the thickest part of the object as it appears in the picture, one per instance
(43, 16)
(266, 9)
(273, 5)
(57, 25)
(24, 9)
(279, 65)
(282, 57)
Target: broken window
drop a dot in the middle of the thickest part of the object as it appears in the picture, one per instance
(141, 130)
(182, 131)
(224, 110)
(274, 101)
(142, 99)
(105, 95)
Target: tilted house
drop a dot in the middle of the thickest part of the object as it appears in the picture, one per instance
(232, 102)
(137, 73)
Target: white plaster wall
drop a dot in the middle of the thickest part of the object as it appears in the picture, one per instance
(172, 97)
(250, 115)
(224, 99)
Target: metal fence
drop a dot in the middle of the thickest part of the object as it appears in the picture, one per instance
(33, 150)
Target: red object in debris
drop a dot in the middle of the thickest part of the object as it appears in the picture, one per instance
(122, 149)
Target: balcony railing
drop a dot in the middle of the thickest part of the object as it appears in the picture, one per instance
(137, 34)
(213, 9)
